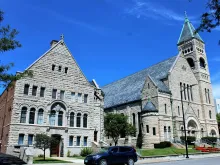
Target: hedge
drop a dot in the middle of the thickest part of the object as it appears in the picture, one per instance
(190, 139)
(210, 139)
(164, 144)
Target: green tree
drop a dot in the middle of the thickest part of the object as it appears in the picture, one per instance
(218, 117)
(7, 43)
(116, 125)
(43, 142)
(211, 18)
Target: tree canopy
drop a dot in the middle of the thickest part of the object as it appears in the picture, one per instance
(117, 125)
(218, 117)
(7, 43)
(43, 142)
(211, 18)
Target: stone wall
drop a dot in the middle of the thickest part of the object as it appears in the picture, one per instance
(72, 81)
(6, 106)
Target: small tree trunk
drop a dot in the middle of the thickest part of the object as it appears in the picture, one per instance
(44, 154)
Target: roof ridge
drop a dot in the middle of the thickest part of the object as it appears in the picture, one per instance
(138, 71)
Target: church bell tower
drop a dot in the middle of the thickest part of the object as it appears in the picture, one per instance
(192, 47)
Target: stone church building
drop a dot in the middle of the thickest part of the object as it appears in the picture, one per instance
(58, 100)
(152, 97)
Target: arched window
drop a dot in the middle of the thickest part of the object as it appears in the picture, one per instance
(40, 115)
(52, 117)
(85, 120)
(23, 115)
(165, 108)
(133, 119)
(60, 118)
(148, 85)
(181, 93)
(72, 115)
(210, 114)
(32, 116)
(191, 62)
(202, 62)
(165, 129)
(188, 94)
(78, 120)
(213, 133)
(184, 90)
(169, 130)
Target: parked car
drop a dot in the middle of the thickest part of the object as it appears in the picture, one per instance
(114, 155)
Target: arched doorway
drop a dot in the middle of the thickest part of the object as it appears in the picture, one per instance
(213, 133)
(56, 148)
(192, 128)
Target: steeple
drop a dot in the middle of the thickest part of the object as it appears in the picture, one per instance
(187, 32)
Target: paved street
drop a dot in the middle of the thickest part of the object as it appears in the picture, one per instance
(203, 161)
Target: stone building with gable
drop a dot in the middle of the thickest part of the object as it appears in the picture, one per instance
(58, 100)
(151, 98)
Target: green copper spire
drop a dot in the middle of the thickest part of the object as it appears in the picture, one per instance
(187, 32)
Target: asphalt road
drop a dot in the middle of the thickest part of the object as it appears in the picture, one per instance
(201, 161)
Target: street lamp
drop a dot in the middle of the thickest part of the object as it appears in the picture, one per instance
(184, 126)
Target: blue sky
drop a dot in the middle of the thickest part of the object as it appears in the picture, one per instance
(109, 39)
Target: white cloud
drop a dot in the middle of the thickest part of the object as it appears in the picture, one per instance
(148, 9)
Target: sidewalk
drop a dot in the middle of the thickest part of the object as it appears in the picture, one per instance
(141, 161)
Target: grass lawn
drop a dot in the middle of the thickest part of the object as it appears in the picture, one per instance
(165, 151)
(48, 160)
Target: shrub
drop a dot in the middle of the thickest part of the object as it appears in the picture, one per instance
(86, 151)
(40, 156)
(164, 144)
(68, 153)
(75, 155)
(139, 140)
(209, 139)
(190, 139)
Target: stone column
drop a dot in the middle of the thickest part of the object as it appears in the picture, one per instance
(27, 116)
(35, 117)
(56, 119)
(48, 118)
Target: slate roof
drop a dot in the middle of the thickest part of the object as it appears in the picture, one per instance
(129, 89)
(188, 32)
(149, 107)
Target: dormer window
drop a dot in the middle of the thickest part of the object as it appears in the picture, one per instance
(66, 69)
(53, 67)
(59, 69)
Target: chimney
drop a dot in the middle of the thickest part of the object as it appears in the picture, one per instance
(53, 42)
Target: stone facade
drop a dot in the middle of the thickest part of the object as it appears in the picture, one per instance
(58, 101)
(189, 75)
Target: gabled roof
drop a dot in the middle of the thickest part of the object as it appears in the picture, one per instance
(149, 107)
(188, 32)
(129, 89)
